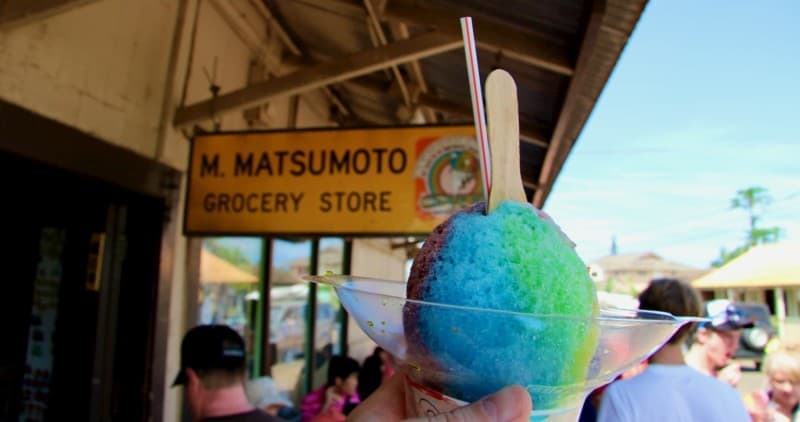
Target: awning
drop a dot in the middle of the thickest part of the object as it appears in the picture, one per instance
(770, 265)
(214, 269)
(401, 62)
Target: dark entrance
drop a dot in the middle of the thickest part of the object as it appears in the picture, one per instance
(77, 295)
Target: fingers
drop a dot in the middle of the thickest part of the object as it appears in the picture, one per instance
(731, 374)
(510, 404)
(387, 403)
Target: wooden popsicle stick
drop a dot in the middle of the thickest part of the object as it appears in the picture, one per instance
(502, 115)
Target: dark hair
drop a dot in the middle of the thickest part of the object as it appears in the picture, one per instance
(341, 367)
(371, 375)
(216, 353)
(673, 296)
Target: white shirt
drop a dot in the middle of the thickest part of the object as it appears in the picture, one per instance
(672, 393)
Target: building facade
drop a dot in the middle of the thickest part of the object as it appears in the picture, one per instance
(98, 101)
(630, 273)
(100, 284)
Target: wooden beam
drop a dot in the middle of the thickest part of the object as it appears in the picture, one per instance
(372, 20)
(559, 144)
(452, 107)
(530, 185)
(414, 69)
(351, 8)
(269, 15)
(21, 12)
(533, 137)
(400, 32)
(367, 86)
(527, 134)
(275, 23)
(517, 45)
(252, 38)
(360, 63)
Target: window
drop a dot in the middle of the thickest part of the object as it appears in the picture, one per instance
(230, 280)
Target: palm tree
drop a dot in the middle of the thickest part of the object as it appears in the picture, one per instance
(753, 200)
(750, 200)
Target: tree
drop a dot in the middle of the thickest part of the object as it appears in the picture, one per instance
(754, 201)
(725, 256)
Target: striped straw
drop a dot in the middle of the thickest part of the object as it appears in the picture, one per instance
(478, 113)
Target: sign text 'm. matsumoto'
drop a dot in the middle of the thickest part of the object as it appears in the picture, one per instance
(365, 181)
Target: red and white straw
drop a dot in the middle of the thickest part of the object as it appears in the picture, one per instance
(478, 113)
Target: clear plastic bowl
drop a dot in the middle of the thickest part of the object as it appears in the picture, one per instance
(488, 349)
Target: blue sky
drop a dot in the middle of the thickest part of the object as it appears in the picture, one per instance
(704, 101)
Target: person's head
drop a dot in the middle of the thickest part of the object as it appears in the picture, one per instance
(675, 297)
(719, 337)
(212, 358)
(369, 379)
(386, 358)
(343, 374)
(783, 374)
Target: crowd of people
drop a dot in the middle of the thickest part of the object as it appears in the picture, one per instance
(669, 389)
(690, 378)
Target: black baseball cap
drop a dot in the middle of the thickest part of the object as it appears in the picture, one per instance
(724, 315)
(211, 347)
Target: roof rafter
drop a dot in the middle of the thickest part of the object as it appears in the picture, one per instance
(357, 64)
(372, 20)
(18, 13)
(524, 47)
(527, 134)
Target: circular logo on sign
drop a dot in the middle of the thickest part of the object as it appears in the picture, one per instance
(448, 174)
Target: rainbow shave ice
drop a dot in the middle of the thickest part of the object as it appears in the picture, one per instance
(513, 259)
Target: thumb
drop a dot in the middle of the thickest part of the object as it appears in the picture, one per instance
(510, 404)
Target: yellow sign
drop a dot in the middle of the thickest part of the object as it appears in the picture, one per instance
(388, 181)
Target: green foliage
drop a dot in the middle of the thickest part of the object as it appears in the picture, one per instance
(768, 235)
(754, 201)
(725, 256)
(750, 198)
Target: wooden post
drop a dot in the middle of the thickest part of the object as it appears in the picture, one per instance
(793, 303)
(780, 309)
(267, 353)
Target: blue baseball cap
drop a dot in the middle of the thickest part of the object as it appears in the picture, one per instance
(724, 315)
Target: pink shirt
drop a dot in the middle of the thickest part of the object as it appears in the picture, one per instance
(314, 401)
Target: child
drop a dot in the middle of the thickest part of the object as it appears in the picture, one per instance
(779, 402)
(334, 400)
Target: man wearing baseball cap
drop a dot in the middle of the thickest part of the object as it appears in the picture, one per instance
(716, 341)
(213, 373)
(213, 376)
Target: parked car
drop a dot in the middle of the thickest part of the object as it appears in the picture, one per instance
(288, 327)
(754, 341)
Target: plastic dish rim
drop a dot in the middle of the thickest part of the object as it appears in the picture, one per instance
(658, 316)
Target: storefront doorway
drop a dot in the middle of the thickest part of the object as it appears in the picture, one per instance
(78, 297)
